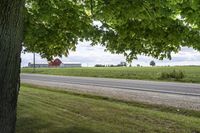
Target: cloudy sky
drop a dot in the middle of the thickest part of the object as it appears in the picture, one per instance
(91, 55)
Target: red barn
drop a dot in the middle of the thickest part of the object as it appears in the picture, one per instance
(55, 63)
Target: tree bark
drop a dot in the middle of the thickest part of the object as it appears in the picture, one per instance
(11, 38)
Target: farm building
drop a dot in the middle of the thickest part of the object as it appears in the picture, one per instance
(70, 64)
(56, 63)
(38, 65)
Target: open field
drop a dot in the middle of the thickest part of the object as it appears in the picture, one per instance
(192, 73)
(57, 111)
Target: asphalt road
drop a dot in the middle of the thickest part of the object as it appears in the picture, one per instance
(188, 89)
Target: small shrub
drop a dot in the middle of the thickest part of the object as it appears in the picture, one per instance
(177, 75)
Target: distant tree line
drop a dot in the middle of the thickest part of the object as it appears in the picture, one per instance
(99, 65)
(122, 64)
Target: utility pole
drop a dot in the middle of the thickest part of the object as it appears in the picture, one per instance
(33, 62)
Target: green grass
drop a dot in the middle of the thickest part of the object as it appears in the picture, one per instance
(192, 73)
(57, 111)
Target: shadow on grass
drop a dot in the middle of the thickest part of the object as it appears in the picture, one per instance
(162, 108)
(75, 129)
(34, 125)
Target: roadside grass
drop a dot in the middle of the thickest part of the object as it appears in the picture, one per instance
(42, 110)
(191, 73)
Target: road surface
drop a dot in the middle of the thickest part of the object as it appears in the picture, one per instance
(152, 86)
(154, 91)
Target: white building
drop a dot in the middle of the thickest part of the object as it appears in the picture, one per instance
(38, 65)
(70, 64)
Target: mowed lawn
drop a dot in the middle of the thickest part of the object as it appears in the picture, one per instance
(192, 73)
(57, 111)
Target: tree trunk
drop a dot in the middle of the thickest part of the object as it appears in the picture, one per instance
(11, 37)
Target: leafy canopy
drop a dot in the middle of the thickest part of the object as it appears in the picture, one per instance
(150, 27)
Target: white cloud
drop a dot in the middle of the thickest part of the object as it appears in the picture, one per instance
(91, 55)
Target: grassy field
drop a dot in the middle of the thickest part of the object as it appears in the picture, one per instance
(192, 73)
(57, 111)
